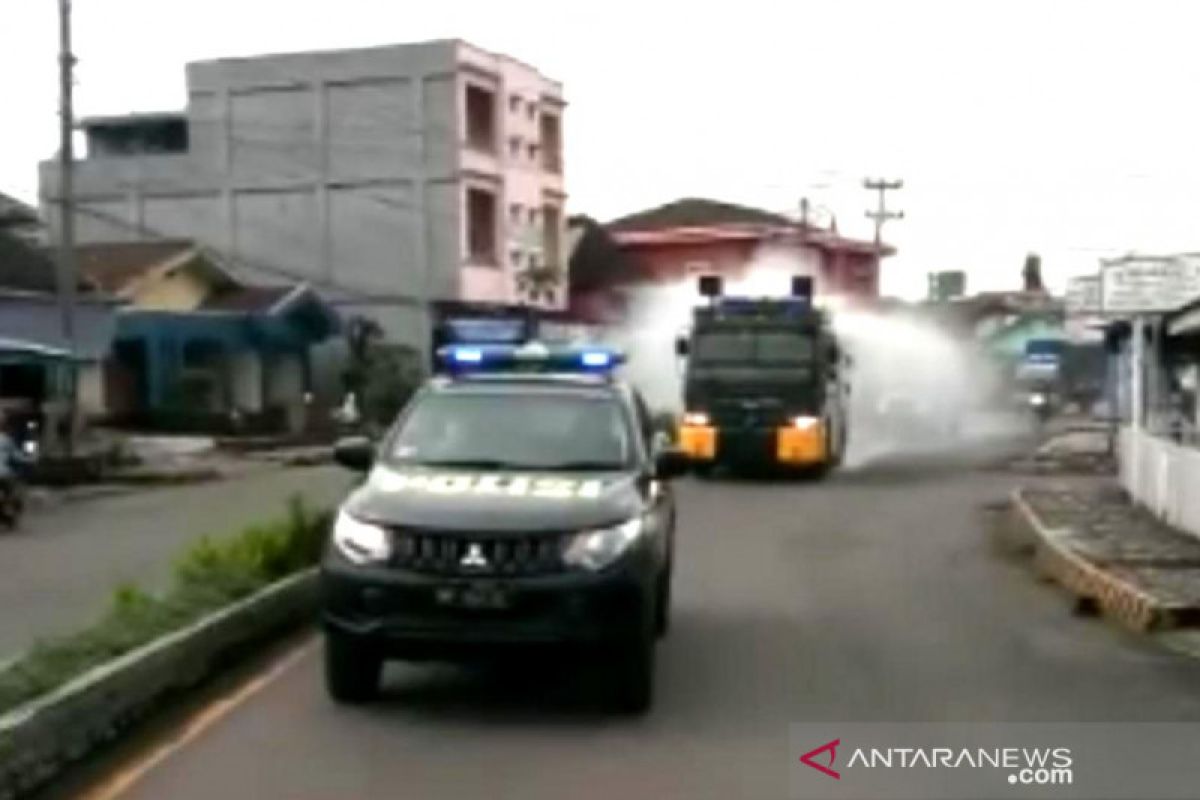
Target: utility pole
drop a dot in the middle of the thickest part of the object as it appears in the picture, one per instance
(66, 207)
(882, 215)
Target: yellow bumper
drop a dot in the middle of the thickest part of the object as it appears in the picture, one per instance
(801, 445)
(699, 442)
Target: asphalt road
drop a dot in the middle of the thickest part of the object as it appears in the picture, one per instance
(875, 596)
(62, 564)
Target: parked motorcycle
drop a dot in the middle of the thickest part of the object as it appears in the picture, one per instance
(1041, 407)
(22, 453)
(12, 502)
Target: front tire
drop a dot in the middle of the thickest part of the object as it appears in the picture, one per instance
(662, 603)
(352, 670)
(634, 676)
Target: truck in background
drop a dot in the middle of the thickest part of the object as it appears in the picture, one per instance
(765, 383)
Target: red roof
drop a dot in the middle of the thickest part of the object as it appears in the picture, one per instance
(696, 220)
(749, 233)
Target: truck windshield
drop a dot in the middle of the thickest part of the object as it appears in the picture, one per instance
(511, 430)
(762, 347)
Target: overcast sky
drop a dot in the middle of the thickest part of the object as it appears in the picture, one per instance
(1062, 127)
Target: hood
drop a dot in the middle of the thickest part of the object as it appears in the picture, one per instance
(419, 497)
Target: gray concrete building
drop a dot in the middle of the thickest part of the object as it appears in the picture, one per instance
(384, 176)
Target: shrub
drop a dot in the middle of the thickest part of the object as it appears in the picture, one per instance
(210, 574)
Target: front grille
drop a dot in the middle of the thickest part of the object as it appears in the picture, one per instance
(747, 414)
(466, 554)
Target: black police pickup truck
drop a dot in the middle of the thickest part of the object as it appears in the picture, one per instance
(521, 500)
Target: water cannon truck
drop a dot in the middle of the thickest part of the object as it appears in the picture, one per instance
(766, 382)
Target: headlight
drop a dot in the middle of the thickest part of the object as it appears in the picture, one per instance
(361, 542)
(696, 418)
(805, 423)
(596, 549)
(1038, 399)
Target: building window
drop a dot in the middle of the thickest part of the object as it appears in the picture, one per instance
(552, 235)
(533, 216)
(514, 258)
(532, 110)
(514, 146)
(481, 119)
(533, 152)
(481, 226)
(515, 213)
(514, 103)
(534, 261)
(551, 135)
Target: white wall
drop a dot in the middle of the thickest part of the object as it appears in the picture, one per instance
(1163, 476)
(247, 375)
(91, 396)
(285, 387)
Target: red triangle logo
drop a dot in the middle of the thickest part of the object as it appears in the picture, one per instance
(808, 759)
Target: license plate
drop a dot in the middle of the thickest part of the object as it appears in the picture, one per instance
(475, 597)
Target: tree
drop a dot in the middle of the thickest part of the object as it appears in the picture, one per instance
(362, 334)
(1032, 273)
(393, 373)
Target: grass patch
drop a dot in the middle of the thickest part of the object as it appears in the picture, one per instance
(210, 574)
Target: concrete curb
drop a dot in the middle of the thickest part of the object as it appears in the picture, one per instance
(1116, 597)
(151, 477)
(41, 738)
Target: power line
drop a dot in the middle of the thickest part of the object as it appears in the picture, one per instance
(67, 268)
(881, 214)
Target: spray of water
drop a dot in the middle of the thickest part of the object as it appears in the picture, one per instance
(898, 360)
(915, 388)
(659, 314)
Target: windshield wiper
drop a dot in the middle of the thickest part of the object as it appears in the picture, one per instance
(471, 463)
(586, 466)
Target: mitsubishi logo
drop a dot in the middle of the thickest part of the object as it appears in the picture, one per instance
(474, 557)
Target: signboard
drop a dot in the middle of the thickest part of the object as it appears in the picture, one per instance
(487, 330)
(945, 286)
(1083, 295)
(1149, 284)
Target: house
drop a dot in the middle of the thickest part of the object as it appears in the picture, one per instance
(21, 221)
(38, 363)
(196, 348)
(680, 240)
(596, 268)
(387, 178)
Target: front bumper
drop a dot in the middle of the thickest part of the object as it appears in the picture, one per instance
(786, 445)
(400, 614)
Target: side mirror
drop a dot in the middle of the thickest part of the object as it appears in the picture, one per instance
(682, 346)
(670, 462)
(354, 453)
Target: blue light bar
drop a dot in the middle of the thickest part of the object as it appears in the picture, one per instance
(531, 357)
(763, 307)
(596, 358)
(467, 355)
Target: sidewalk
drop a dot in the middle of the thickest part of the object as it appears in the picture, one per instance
(1114, 557)
(206, 468)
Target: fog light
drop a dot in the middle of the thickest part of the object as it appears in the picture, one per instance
(696, 418)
